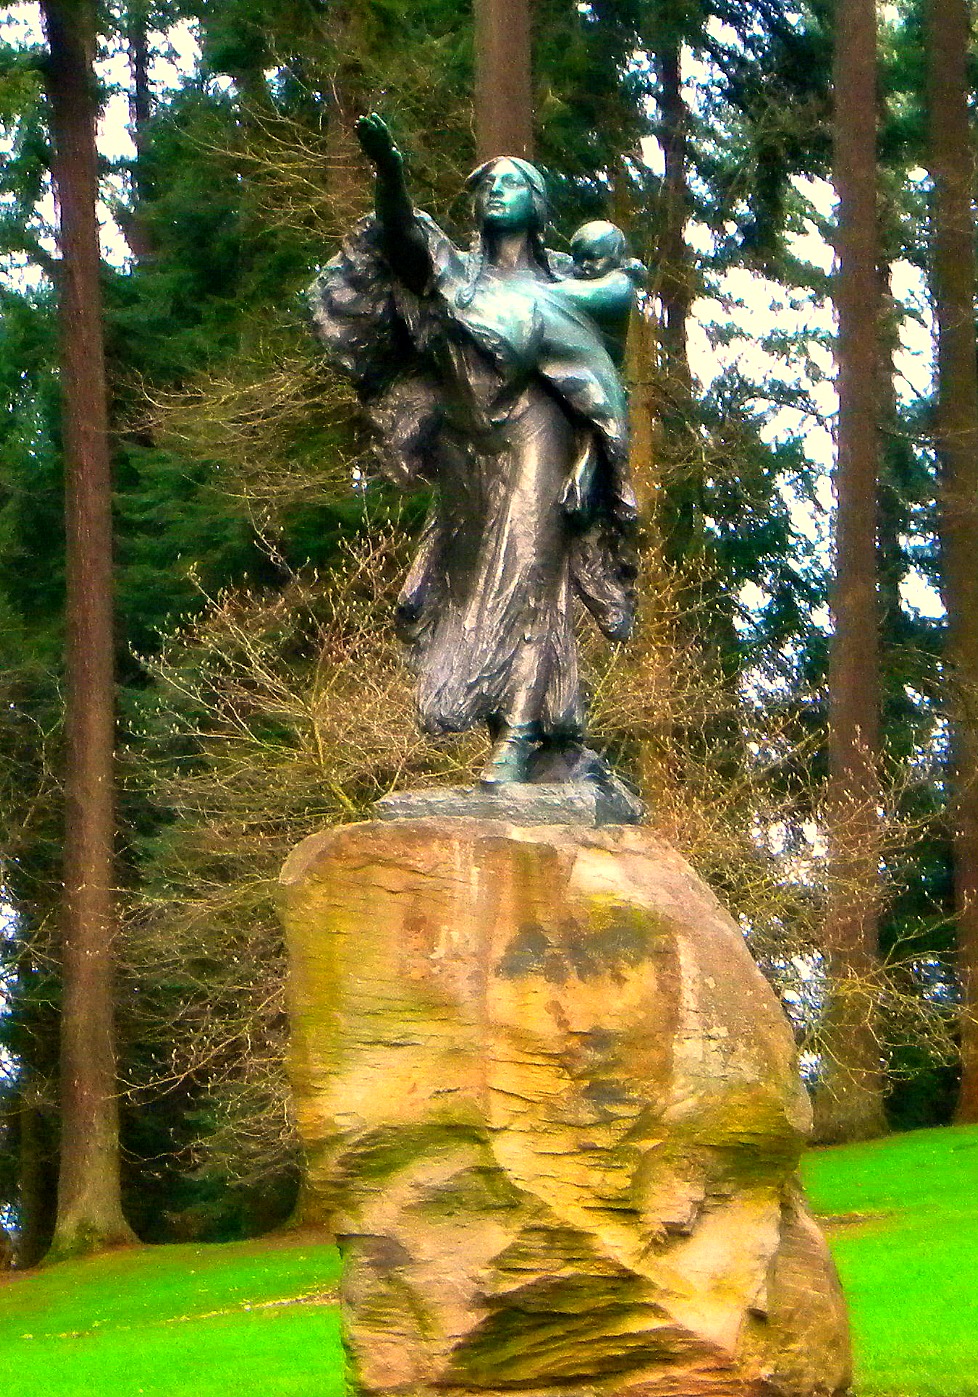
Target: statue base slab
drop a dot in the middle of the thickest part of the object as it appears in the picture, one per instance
(589, 803)
(551, 1110)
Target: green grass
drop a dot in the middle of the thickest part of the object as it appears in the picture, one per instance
(252, 1318)
(238, 1320)
(906, 1243)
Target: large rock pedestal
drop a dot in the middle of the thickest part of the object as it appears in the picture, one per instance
(551, 1109)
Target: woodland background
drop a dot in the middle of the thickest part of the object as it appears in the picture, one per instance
(198, 559)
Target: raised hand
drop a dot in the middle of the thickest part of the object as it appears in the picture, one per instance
(403, 243)
(377, 143)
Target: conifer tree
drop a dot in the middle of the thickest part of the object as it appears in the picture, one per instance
(849, 1098)
(952, 166)
(242, 188)
(89, 1191)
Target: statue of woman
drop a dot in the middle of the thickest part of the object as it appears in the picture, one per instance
(489, 375)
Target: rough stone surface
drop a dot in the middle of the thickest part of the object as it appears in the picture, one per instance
(551, 1109)
(554, 803)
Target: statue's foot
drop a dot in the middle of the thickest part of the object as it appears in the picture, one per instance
(509, 760)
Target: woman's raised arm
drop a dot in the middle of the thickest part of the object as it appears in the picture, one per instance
(404, 243)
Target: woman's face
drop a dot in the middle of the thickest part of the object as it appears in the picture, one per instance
(505, 200)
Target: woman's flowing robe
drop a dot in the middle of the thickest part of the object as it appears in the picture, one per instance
(491, 385)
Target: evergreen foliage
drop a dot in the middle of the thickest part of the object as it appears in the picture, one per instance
(257, 553)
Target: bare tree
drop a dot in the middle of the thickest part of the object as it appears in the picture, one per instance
(89, 1205)
(849, 1100)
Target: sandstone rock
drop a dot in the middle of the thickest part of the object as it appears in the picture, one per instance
(552, 1110)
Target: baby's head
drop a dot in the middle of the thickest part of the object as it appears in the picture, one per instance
(598, 248)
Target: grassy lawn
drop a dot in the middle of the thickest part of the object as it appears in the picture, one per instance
(238, 1320)
(252, 1318)
(906, 1243)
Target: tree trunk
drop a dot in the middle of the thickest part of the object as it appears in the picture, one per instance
(952, 166)
(89, 1204)
(849, 1098)
(36, 1184)
(680, 511)
(503, 79)
(349, 186)
(140, 110)
(890, 506)
(674, 285)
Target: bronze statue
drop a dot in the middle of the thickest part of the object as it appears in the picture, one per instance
(491, 375)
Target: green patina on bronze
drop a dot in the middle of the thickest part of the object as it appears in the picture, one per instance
(492, 374)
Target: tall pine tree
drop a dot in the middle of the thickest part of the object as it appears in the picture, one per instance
(849, 1098)
(89, 1191)
(952, 167)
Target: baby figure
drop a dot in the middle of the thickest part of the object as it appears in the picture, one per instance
(599, 248)
(601, 280)
(600, 257)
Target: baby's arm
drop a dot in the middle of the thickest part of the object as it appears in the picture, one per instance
(603, 297)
